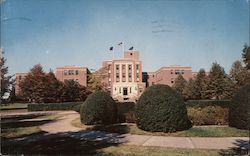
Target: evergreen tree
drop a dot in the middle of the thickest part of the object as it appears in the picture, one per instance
(6, 80)
(239, 74)
(179, 84)
(200, 84)
(246, 56)
(219, 84)
(189, 92)
(71, 91)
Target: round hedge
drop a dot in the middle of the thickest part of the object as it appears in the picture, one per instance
(99, 108)
(161, 109)
(239, 111)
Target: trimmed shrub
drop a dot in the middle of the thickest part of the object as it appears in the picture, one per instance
(208, 115)
(52, 106)
(77, 108)
(208, 112)
(161, 109)
(125, 112)
(99, 108)
(205, 103)
(239, 112)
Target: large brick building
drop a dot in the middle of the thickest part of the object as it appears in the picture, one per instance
(124, 77)
(76, 73)
(167, 75)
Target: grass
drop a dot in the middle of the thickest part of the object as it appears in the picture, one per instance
(14, 106)
(72, 146)
(201, 131)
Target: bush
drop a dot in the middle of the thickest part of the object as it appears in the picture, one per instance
(205, 103)
(77, 108)
(125, 112)
(99, 108)
(239, 111)
(160, 108)
(208, 112)
(209, 115)
(52, 106)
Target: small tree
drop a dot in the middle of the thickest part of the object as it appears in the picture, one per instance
(200, 84)
(179, 84)
(96, 80)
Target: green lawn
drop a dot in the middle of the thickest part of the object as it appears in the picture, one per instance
(14, 106)
(202, 131)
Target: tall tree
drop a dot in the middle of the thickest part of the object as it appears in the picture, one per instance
(239, 74)
(200, 84)
(71, 91)
(33, 87)
(189, 92)
(246, 56)
(6, 80)
(97, 80)
(219, 85)
(179, 84)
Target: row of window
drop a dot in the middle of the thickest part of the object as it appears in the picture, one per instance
(71, 72)
(177, 72)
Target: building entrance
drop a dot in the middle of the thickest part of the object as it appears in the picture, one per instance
(125, 91)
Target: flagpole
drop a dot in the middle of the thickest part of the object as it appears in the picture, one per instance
(113, 53)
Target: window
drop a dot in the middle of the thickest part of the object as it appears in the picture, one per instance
(117, 67)
(65, 72)
(120, 91)
(172, 80)
(117, 77)
(109, 67)
(77, 72)
(182, 71)
(130, 90)
(129, 75)
(171, 71)
(115, 88)
(137, 67)
(129, 67)
(123, 66)
(71, 72)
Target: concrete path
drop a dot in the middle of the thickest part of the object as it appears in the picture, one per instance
(63, 127)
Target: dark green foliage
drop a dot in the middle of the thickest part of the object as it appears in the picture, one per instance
(161, 109)
(77, 108)
(208, 112)
(125, 111)
(239, 112)
(53, 106)
(179, 84)
(99, 108)
(219, 85)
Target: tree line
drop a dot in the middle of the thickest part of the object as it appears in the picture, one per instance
(216, 84)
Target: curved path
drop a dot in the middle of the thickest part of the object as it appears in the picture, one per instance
(63, 124)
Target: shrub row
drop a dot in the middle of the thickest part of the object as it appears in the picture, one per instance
(53, 106)
(208, 112)
(125, 112)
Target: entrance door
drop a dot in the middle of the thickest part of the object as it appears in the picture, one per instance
(125, 91)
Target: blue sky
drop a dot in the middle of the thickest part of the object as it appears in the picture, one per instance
(79, 32)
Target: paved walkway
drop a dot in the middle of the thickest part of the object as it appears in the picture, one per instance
(63, 127)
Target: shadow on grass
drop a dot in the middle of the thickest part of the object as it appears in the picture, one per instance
(242, 148)
(68, 143)
(114, 128)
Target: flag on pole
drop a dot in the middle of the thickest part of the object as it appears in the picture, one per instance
(111, 48)
(131, 48)
(119, 43)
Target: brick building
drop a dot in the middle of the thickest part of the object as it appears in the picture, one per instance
(77, 73)
(167, 75)
(124, 77)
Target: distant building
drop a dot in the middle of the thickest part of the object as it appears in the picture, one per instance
(124, 77)
(167, 75)
(76, 73)
(19, 78)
